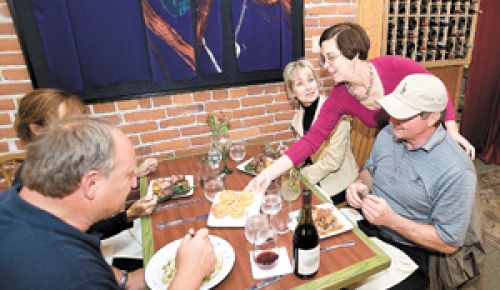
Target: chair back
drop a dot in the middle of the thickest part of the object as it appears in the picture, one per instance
(9, 164)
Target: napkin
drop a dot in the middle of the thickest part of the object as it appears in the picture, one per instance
(282, 268)
(401, 267)
(126, 244)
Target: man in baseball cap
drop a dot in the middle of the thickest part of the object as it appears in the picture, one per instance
(421, 183)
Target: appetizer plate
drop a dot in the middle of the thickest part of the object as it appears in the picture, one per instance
(190, 180)
(228, 220)
(241, 166)
(154, 270)
(342, 223)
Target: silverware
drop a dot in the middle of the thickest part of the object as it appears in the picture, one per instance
(180, 203)
(266, 282)
(346, 244)
(180, 221)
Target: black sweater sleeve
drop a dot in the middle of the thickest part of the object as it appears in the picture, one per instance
(111, 226)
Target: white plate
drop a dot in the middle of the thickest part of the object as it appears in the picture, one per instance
(231, 222)
(154, 271)
(344, 225)
(190, 180)
(241, 166)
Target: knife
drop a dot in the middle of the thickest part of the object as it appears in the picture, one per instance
(181, 203)
(266, 282)
(163, 225)
(346, 244)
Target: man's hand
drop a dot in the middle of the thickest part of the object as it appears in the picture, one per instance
(355, 192)
(194, 260)
(149, 165)
(377, 211)
(142, 207)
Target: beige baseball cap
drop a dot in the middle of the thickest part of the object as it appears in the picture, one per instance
(415, 94)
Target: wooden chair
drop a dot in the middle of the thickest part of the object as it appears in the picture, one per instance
(9, 164)
(362, 139)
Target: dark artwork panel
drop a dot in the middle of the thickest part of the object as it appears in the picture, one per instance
(169, 37)
(260, 26)
(209, 36)
(120, 49)
(109, 38)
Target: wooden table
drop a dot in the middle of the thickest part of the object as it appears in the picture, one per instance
(338, 268)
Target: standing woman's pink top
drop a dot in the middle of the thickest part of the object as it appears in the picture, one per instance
(391, 70)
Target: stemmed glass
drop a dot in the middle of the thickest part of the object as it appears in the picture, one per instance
(265, 254)
(271, 204)
(237, 150)
(290, 187)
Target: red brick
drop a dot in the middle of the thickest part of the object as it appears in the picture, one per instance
(5, 119)
(11, 58)
(220, 94)
(113, 119)
(128, 104)
(285, 116)
(162, 101)
(104, 107)
(182, 99)
(171, 122)
(20, 145)
(16, 74)
(4, 147)
(15, 88)
(143, 151)
(348, 10)
(252, 101)
(255, 90)
(221, 105)
(7, 104)
(4, 11)
(7, 29)
(311, 22)
(7, 133)
(200, 140)
(281, 97)
(183, 110)
(321, 10)
(235, 124)
(191, 151)
(275, 128)
(139, 128)
(284, 135)
(262, 139)
(258, 121)
(9, 44)
(144, 115)
(248, 112)
(160, 136)
(170, 145)
(244, 133)
(145, 103)
(201, 96)
(279, 107)
(238, 93)
(135, 140)
(329, 21)
(195, 130)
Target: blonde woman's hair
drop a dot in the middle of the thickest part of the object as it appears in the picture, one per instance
(41, 107)
(291, 70)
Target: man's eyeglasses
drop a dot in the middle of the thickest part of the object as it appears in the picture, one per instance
(329, 60)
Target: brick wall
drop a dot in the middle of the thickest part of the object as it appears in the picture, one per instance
(175, 124)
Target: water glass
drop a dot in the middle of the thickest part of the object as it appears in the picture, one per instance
(271, 203)
(212, 185)
(237, 150)
(265, 254)
(253, 224)
(214, 156)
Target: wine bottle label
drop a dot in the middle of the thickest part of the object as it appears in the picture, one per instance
(308, 261)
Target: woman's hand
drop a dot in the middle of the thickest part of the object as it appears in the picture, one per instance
(259, 183)
(149, 165)
(142, 207)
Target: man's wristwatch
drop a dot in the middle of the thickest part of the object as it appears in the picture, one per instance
(123, 279)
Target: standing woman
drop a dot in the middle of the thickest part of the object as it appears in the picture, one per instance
(358, 84)
(333, 166)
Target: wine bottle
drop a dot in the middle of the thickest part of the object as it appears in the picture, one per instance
(306, 242)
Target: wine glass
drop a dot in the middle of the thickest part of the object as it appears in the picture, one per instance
(253, 224)
(237, 150)
(290, 187)
(271, 204)
(212, 185)
(265, 254)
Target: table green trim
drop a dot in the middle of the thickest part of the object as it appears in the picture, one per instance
(147, 235)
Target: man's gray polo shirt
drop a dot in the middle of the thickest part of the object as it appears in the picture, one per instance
(434, 184)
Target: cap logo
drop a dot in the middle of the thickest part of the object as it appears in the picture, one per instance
(403, 90)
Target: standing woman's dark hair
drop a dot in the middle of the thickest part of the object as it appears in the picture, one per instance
(351, 39)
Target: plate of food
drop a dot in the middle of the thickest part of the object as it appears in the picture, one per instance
(161, 268)
(171, 187)
(328, 219)
(230, 207)
(256, 164)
